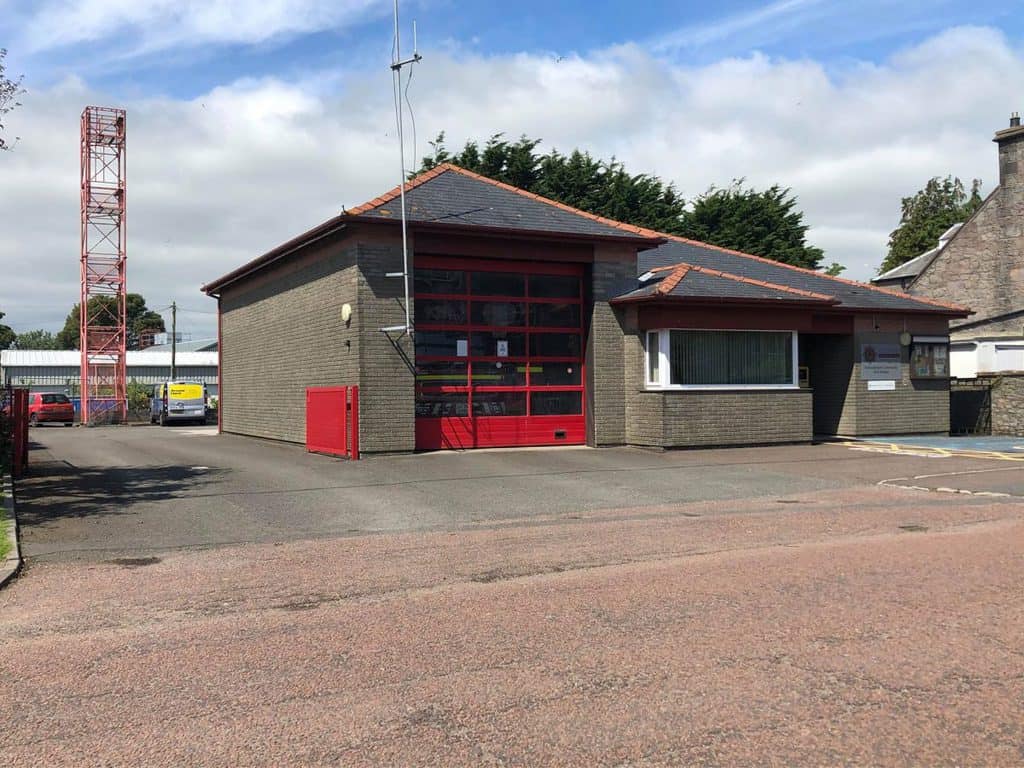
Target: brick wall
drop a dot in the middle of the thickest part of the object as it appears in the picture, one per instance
(283, 332)
(613, 267)
(745, 417)
(645, 411)
(387, 416)
(916, 406)
(1008, 405)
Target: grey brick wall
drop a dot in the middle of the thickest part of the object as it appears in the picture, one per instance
(983, 266)
(645, 411)
(737, 418)
(916, 405)
(606, 385)
(386, 378)
(282, 333)
(1008, 405)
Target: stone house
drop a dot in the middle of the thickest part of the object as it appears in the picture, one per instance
(982, 266)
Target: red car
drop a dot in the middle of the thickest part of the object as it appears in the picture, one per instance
(46, 407)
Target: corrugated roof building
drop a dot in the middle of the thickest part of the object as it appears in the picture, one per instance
(45, 370)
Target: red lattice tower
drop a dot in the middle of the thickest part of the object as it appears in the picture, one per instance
(104, 335)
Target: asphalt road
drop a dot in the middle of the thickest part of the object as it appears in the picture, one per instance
(97, 493)
(572, 608)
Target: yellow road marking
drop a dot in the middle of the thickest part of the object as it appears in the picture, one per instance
(931, 451)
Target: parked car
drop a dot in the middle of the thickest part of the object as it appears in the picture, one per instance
(178, 401)
(45, 407)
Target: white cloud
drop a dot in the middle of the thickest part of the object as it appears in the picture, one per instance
(768, 19)
(218, 179)
(161, 24)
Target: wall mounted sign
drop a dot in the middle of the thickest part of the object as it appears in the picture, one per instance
(882, 386)
(502, 347)
(879, 362)
(462, 347)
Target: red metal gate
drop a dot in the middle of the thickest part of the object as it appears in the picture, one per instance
(332, 421)
(14, 428)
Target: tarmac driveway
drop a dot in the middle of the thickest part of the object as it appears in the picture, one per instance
(96, 493)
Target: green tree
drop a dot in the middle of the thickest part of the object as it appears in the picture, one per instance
(9, 92)
(139, 318)
(766, 224)
(139, 396)
(39, 339)
(7, 334)
(926, 215)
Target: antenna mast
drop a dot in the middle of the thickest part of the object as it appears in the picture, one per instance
(396, 68)
(103, 335)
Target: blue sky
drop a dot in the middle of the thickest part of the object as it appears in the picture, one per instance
(252, 120)
(124, 57)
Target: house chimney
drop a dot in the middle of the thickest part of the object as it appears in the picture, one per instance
(1011, 154)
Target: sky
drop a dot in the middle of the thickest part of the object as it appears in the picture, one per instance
(249, 122)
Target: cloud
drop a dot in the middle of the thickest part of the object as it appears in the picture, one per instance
(766, 21)
(161, 24)
(218, 179)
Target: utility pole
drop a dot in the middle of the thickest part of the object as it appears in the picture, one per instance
(174, 341)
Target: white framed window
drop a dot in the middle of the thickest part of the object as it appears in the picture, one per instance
(653, 360)
(719, 359)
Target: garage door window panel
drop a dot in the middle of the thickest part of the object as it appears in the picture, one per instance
(554, 315)
(506, 314)
(498, 284)
(556, 403)
(440, 312)
(439, 281)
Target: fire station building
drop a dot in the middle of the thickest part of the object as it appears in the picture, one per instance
(537, 324)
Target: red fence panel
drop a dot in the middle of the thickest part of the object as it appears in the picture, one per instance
(19, 415)
(332, 421)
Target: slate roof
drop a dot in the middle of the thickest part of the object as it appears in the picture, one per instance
(907, 269)
(701, 283)
(457, 196)
(449, 195)
(916, 265)
(847, 294)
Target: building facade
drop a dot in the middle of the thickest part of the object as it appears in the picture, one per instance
(532, 323)
(983, 265)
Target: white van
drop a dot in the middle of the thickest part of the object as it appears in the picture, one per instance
(178, 401)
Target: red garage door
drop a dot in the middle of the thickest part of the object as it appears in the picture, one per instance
(499, 354)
